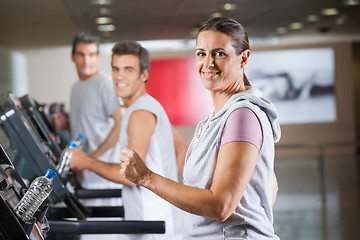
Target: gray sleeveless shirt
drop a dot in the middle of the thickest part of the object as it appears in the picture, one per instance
(253, 217)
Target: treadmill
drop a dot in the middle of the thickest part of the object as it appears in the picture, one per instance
(44, 128)
(35, 155)
(51, 137)
(12, 188)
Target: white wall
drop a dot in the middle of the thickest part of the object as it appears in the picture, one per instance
(52, 73)
(13, 72)
(13, 77)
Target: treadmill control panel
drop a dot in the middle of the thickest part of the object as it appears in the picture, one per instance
(11, 188)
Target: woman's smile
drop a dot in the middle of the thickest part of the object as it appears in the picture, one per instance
(210, 75)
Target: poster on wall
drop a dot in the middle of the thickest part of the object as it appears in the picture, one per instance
(300, 83)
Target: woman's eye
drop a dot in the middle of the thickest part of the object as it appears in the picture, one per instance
(220, 54)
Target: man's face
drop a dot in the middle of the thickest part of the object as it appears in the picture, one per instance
(86, 59)
(129, 84)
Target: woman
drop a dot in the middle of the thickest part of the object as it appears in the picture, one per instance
(229, 182)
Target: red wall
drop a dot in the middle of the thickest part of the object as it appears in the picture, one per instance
(175, 83)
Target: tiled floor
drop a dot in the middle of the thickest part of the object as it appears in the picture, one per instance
(299, 212)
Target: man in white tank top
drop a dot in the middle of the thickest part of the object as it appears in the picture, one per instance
(145, 128)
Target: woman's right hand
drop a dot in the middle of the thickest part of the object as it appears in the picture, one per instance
(133, 167)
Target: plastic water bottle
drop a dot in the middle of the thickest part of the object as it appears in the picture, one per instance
(63, 167)
(79, 141)
(38, 191)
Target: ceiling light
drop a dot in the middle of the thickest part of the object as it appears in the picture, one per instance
(329, 11)
(281, 30)
(103, 20)
(106, 28)
(351, 2)
(105, 11)
(229, 6)
(313, 18)
(296, 25)
(217, 14)
(101, 2)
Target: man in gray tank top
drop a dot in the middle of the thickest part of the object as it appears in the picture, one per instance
(96, 114)
(145, 128)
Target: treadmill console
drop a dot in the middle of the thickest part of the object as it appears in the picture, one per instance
(12, 189)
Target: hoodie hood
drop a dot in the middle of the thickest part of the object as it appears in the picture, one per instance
(253, 96)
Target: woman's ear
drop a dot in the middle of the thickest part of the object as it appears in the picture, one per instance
(244, 57)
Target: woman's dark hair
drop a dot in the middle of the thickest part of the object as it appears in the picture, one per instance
(133, 48)
(232, 28)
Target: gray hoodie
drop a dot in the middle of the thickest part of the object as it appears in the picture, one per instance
(253, 217)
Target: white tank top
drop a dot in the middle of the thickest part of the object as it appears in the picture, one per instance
(140, 203)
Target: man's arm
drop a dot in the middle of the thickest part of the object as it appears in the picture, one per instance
(113, 136)
(140, 129)
(181, 147)
(109, 171)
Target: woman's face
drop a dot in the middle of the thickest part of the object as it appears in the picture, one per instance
(220, 68)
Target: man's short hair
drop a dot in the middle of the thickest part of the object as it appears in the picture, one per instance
(84, 37)
(133, 48)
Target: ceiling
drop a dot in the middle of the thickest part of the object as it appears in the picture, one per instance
(31, 24)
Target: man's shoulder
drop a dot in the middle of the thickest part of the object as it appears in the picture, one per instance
(149, 104)
(146, 102)
(100, 81)
(100, 76)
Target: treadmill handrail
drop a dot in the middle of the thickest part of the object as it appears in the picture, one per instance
(107, 227)
(97, 193)
(59, 213)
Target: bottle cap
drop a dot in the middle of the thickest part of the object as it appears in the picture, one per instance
(51, 173)
(72, 144)
(81, 137)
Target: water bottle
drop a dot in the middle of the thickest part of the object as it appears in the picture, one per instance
(79, 141)
(63, 167)
(38, 191)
